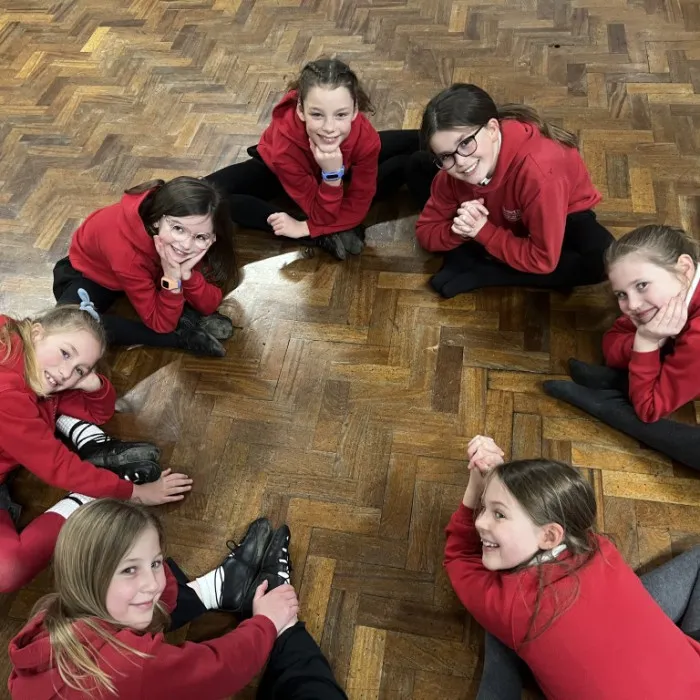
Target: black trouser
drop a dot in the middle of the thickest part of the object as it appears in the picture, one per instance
(120, 331)
(675, 586)
(603, 393)
(250, 186)
(296, 669)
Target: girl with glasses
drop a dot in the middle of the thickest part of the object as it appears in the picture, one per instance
(511, 203)
(166, 245)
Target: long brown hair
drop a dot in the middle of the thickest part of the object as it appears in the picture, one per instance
(89, 549)
(553, 492)
(190, 196)
(331, 73)
(466, 105)
(61, 319)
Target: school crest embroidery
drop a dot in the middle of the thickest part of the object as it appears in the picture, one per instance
(511, 214)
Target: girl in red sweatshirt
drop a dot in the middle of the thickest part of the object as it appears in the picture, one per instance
(101, 633)
(168, 247)
(511, 204)
(46, 369)
(652, 352)
(524, 560)
(322, 152)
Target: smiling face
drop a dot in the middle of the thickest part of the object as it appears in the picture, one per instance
(186, 236)
(508, 534)
(328, 115)
(138, 582)
(642, 287)
(64, 358)
(483, 150)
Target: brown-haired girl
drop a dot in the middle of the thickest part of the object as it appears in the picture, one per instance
(523, 557)
(652, 352)
(512, 202)
(101, 633)
(323, 153)
(48, 381)
(168, 246)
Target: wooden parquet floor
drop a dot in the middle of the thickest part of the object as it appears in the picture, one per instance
(350, 391)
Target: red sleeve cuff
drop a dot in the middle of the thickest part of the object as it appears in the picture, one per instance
(104, 391)
(646, 359)
(486, 234)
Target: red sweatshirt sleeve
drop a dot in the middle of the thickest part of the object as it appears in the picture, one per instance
(214, 669)
(202, 295)
(28, 439)
(481, 591)
(544, 217)
(618, 342)
(158, 308)
(657, 388)
(434, 225)
(96, 407)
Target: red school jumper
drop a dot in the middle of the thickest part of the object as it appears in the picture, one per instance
(658, 383)
(536, 184)
(284, 148)
(113, 248)
(208, 670)
(27, 425)
(614, 641)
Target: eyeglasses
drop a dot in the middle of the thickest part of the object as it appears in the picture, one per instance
(465, 148)
(180, 233)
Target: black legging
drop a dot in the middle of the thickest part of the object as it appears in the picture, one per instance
(603, 393)
(120, 331)
(296, 669)
(250, 186)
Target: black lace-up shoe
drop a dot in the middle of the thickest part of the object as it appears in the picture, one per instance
(241, 565)
(143, 472)
(199, 342)
(111, 453)
(332, 244)
(352, 242)
(275, 567)
(217, 325)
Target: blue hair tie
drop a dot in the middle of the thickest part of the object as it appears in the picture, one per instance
(87, 305)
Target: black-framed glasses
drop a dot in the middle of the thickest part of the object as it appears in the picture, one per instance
(464, 148)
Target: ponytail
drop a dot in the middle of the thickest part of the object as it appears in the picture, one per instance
(529, 115)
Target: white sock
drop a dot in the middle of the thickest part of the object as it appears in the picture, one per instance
(68, 505)
(79, 431)
(209, 588)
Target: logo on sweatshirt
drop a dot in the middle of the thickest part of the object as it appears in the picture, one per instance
(512, 214)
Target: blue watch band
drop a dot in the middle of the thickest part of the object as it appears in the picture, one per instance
(333, 175)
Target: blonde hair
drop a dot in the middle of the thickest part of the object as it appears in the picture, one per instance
(60, 319)
(90, 547)
(660, 245)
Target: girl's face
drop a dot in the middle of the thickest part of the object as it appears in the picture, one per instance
(509, 536)
(138, 582)
(642, 287)
(328, 115)
(186, 236)
(469, 153)
(64, 358)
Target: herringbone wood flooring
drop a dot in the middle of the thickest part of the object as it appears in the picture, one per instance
(350, 392)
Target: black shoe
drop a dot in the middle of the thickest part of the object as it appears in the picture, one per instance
(275, 568)
(597, 376)
(142, 472)
(332, 244)
(199, 342)
(109, 452)
(351, 241)
(217, 325)
(6, 503)
(241, 566)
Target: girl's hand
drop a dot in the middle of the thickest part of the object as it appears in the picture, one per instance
(484, 454)
(285, 225)
(328, 161)
(171, 268)
(187, 267)
(668, 322)
(470, 219)
(281, 605)
(170, 487)
(90, 382)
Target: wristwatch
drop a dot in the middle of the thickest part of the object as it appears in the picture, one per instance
(172, 285)
(333, 175)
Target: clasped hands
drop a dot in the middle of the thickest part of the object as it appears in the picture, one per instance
(470, 219)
